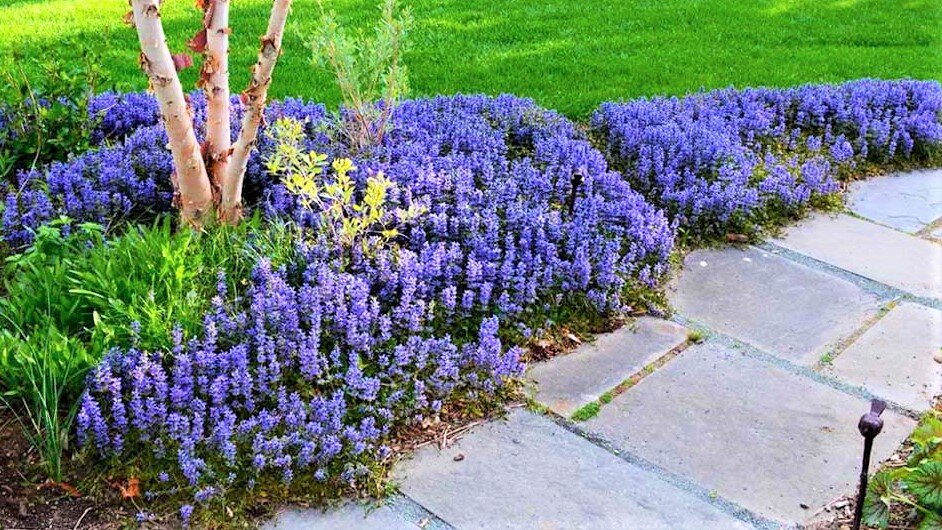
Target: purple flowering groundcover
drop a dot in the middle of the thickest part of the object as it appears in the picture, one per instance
(309, 371)
(316, 365)
(729, 160)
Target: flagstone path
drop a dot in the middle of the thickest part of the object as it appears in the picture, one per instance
(739, 412)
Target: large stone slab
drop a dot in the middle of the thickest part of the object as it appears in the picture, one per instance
(894, 358)
(567, 382)
(347, 517)
(908, 263)
(530, 473)
(905, 201)
(763, 437)
(775, 304)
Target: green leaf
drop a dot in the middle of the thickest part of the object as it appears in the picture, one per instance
(879, 501)
(925, 482)
(926, 437)
(929, 430)
(931, 522)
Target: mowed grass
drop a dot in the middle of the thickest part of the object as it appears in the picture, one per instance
(567, 54)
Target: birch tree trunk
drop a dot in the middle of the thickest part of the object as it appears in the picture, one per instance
(214, 80)
(254, 97)
(192, 182)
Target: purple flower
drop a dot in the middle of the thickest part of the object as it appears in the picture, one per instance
(714, 161)
(186, 512)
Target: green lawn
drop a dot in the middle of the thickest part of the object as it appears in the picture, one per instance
(567, 54)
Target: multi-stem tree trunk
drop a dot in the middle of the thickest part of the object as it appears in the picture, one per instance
(192, 183)
(211, 174)
(254, 97)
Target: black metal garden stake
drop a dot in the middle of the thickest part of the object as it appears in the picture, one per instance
(870, 426)
(576, 182)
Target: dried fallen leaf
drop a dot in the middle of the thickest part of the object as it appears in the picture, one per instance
(737, 238)
(132, 490)
(64, 486)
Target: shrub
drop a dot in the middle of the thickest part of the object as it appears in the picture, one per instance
(46, 118)
(358, 225)
(730, 160)
(369, 72)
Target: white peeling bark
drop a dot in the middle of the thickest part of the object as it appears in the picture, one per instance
(192, 182)
(254, 97)
(214, 79)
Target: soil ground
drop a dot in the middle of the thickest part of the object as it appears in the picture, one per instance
(28, 503)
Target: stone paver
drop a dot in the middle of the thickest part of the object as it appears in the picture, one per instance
(568, 382)
(347, 517)
(906, 201)
(530, 473)
(908, 263)
(894, 358)
(775, 304)
(758, 435)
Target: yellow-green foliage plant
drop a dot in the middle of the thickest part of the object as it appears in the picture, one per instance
(346, 215)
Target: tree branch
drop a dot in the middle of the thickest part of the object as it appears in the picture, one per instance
(254, 97)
